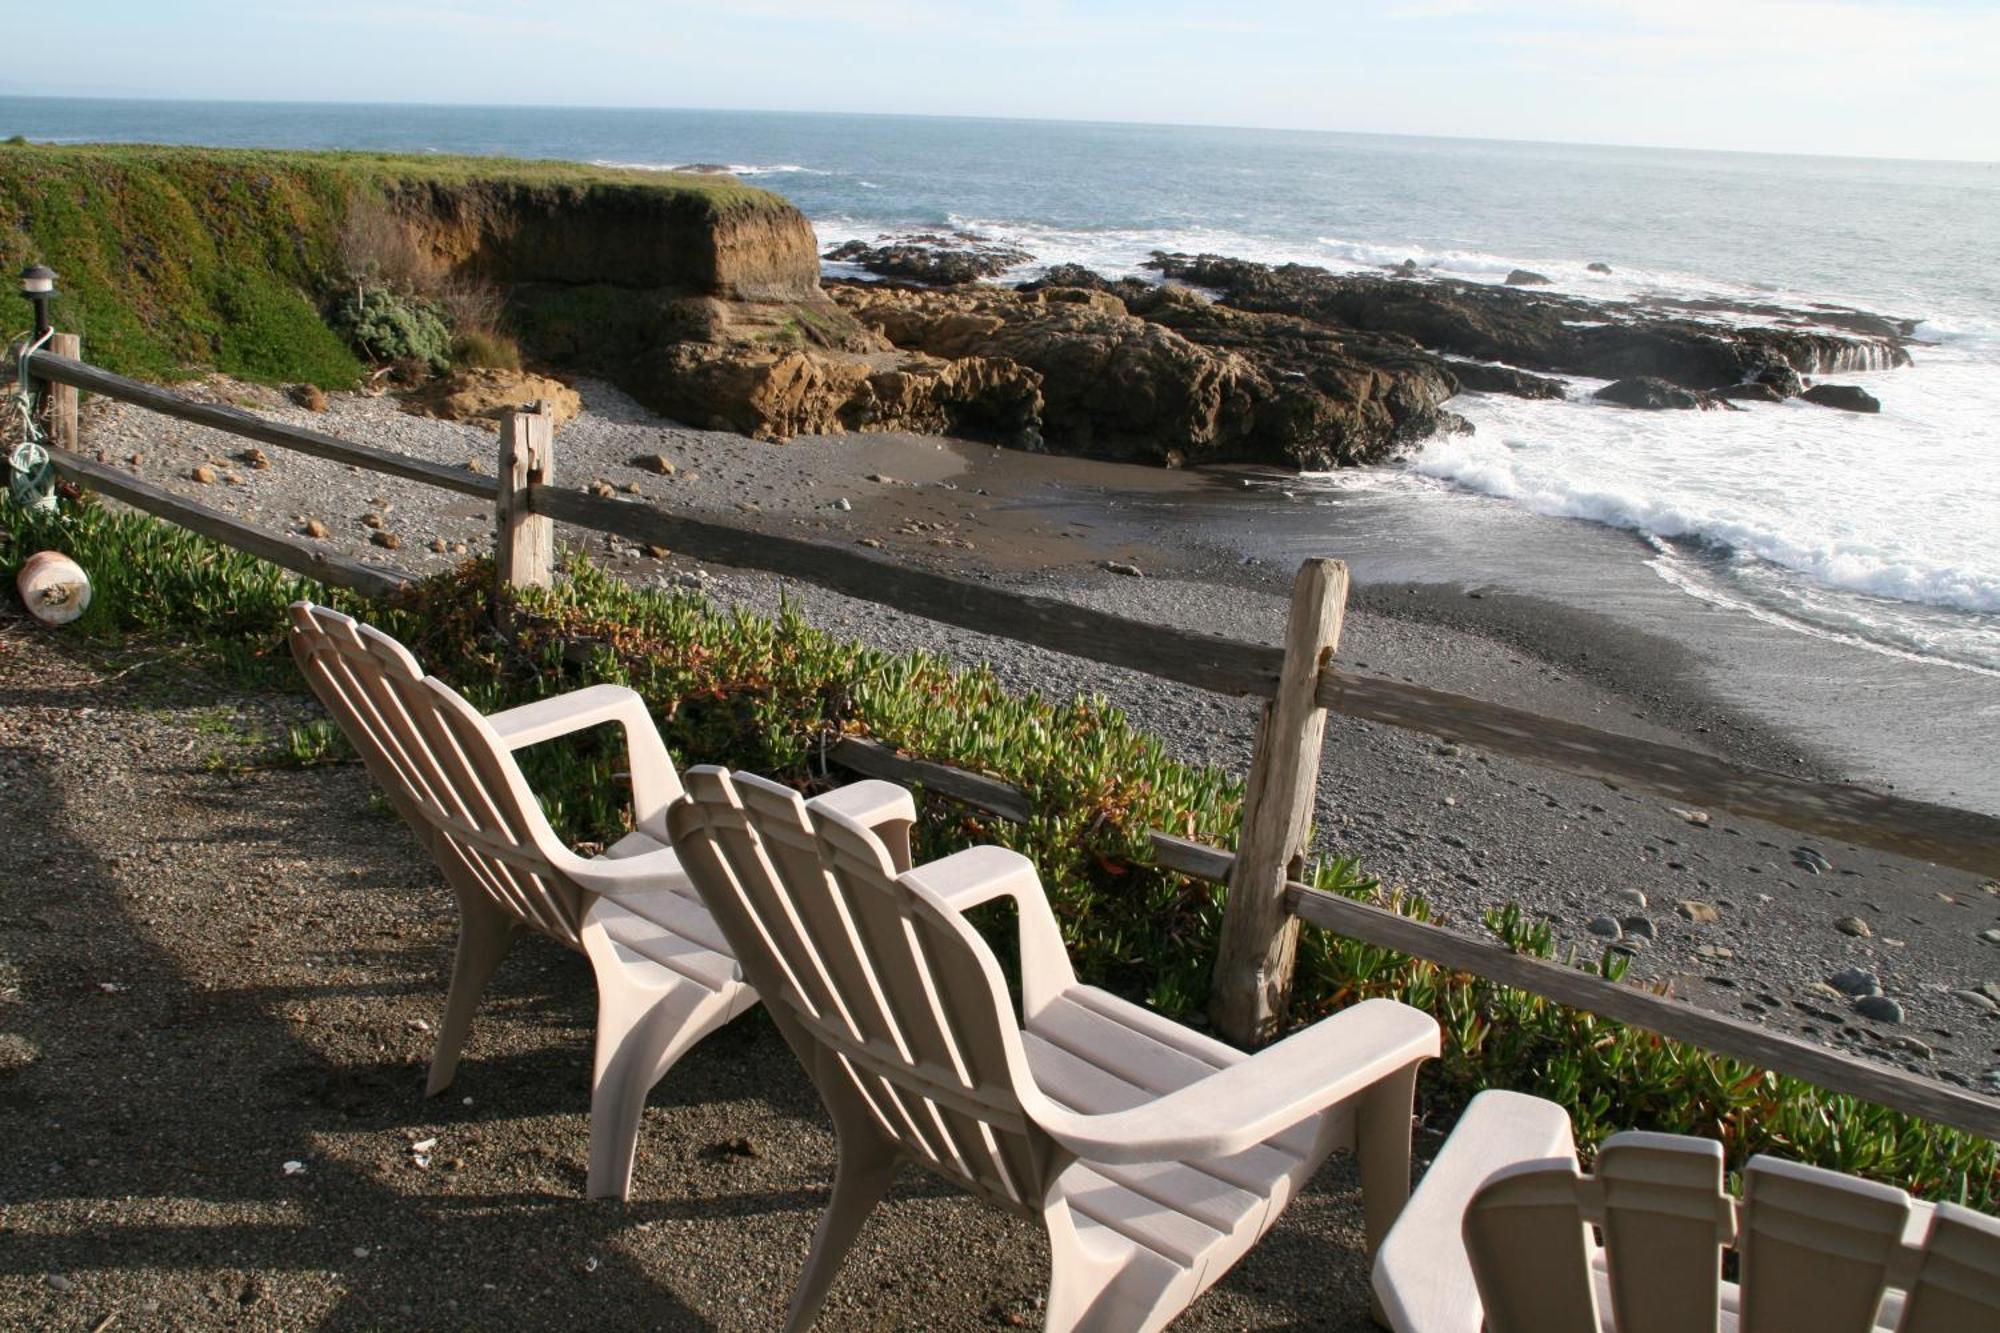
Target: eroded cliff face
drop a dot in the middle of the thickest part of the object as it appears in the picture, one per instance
(612, 234)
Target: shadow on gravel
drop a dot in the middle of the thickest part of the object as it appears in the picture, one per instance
(150, 1114)
(208, 973)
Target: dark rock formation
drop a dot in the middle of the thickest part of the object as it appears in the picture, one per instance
(1598, 266)
(1484, 377)
(1181, 376)
(1846, 397)
(1651, 392)
(1781, 379)
(1753, 392)
(1537, 331)
(939, 261)
(1522, 277)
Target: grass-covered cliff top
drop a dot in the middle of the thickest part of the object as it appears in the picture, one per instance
(178, 259)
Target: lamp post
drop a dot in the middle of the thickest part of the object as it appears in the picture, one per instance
(38, 285)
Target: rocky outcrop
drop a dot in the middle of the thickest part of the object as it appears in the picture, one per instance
(481, 396)
(1753, 392)
(932, 259)
(1653, 393)
(1537, 331)
(1846, 397)
(777, 395)
(1487, 377)
(1175, 378)
(1522, 277)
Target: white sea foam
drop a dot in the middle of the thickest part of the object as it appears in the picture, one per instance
(1872, 529)
(1831, 518)
(709, 168)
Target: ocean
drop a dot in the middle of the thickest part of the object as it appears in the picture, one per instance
(1881, 532)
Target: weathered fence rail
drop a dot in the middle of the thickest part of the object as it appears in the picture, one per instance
(1620, 1001)
(286, 552)
(250, 426)
(1265, 902)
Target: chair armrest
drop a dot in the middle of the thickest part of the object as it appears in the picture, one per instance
(964, 880)
(655, 785)
(885, 808)
(1423, 1275)
(1243, 1104)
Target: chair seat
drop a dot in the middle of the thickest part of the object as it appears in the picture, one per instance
(663, 931)
(1094, 1053)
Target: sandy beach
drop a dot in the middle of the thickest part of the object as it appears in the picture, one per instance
(1468, 831)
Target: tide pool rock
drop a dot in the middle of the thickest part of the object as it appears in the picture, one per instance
(1652, 393)
(1880, 1008)
(1846, 397)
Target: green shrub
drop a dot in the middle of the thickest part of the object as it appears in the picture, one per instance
(387, 326)
(748, 692)
(485, 351)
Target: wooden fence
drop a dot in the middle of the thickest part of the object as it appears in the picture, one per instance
(1299, 681)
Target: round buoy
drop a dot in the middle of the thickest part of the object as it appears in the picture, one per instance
(53, 587)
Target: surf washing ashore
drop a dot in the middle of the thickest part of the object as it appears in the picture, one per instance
(1647, 570)
(1860, 550)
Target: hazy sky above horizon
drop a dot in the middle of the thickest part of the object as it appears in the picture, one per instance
(1890, 78)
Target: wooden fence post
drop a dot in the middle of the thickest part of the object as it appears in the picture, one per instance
(1253, 969)
(524, 544)
(63, 397)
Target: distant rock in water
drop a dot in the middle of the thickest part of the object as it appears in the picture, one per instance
(1653, 393)
(1846, 397)
(1481, 377)
(1754, 392)
(937, 260)
(1522, 277)
(1598, 266)
(1549, 332)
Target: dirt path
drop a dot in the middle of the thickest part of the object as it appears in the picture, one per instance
(211, 967)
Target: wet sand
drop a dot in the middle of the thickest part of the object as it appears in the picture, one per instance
(1620, 650)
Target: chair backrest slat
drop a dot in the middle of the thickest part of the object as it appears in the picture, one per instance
(1666, 1217)
(900, 992)
(442, 768)
(1531, 1251)
(1957, 1287)
(1815, 1249)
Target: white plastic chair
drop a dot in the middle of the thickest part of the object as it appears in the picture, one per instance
(1154, 1156)
(1499, 1237)
(665, 976)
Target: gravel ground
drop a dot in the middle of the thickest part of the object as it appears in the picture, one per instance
(211, 967)
(1468, 830)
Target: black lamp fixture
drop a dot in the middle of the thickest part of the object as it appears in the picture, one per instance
(38, 285)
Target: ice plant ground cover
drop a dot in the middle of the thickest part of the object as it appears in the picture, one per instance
(766, 694)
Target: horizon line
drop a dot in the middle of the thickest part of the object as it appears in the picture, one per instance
(1026, 120)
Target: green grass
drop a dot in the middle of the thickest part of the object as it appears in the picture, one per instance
(176, 260)
(764, 694)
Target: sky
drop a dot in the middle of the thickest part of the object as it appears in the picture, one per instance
(1891, 78)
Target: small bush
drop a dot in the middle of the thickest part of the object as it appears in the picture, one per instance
(385, 326)
(486, 351)
(766, 694)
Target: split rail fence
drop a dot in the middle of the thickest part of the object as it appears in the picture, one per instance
(1299, 682)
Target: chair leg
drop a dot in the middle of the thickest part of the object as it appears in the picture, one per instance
(1081, 1295)
(484, 935)
(638, 1040)
(867, 1167)
(1382, 1143)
